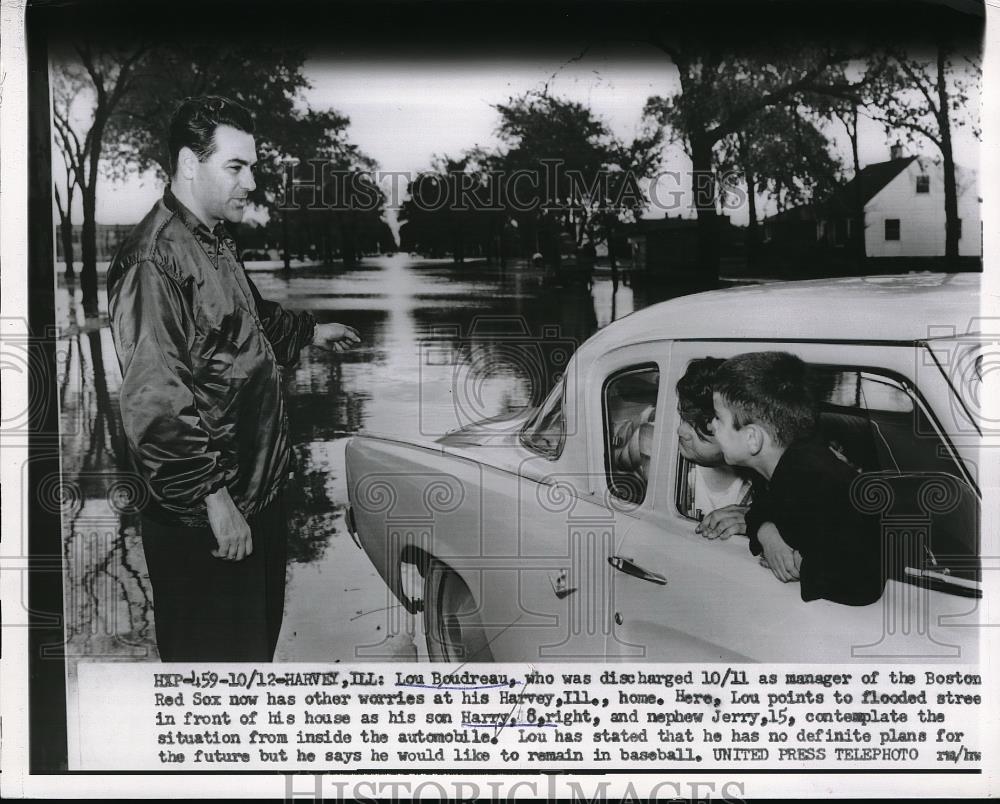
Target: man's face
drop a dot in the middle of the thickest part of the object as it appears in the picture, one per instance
(732, 442)
(701, 449)
(222, 183)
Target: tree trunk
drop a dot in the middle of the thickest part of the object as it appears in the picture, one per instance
(347, 240)
(66, 233)
(285, 251)
(457, 224)
(88, 249)
(951, 224)
(753, 230)
(66, 225)
(300, 240)
(858, 240)
(703, 189)
(612, 250)
(88, 234)
(502, 241)
(307, 221)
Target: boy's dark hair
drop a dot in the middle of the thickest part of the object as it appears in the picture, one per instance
(694, 393)
(772, 389)
(195, 120)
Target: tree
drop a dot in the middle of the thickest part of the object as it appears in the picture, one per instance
(560, 175)
(106, 74)
(449, 208)
(720, 95)
(134, 93)
(587, 179)
(268, 80)
(781, 152)
(353, 210)
(927, 95)
(65, 88)
(848, 113)
(629, 163)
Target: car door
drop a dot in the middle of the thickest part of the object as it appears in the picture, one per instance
(544, 583)
(680, 597)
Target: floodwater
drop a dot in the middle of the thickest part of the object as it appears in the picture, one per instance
(443, 345)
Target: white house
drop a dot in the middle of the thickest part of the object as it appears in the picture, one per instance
(904, 209)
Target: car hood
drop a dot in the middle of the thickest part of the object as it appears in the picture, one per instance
(493, 432)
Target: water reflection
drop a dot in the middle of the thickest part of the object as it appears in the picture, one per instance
(108, 604)
(442, 345)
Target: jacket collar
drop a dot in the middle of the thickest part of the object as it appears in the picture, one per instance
(210, 239)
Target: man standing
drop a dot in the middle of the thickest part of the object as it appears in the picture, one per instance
(201, 397)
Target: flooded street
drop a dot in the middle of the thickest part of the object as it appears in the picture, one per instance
(443, 345)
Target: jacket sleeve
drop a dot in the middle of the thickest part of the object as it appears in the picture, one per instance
(845, 565)
(288, 332)
(759, 513)
(151, 322)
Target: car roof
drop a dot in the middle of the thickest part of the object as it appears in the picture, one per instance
(906, 307)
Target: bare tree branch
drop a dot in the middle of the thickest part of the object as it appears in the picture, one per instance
(919, 83)
(572, 60)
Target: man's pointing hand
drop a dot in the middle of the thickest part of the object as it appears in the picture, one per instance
(335, 337)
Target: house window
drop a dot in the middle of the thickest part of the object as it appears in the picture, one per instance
(892, 228)
(923, 184)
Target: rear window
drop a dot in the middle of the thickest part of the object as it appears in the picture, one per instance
(908, 474)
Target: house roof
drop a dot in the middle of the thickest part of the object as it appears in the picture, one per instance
(873, 179)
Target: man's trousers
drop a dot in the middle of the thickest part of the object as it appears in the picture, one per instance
(209, 609)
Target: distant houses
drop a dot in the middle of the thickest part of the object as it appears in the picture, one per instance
(903, 220)
(902, 229)
(669, 246)
(109, 237)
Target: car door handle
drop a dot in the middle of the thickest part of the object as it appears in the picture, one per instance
(629, 567)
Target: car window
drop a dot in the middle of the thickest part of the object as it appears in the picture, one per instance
(629, 402)
(545, 431)
(908, 475)
(877, 423)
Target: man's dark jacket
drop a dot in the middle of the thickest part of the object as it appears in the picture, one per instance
(201, 397)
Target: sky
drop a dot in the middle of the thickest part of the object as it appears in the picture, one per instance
(402, 113)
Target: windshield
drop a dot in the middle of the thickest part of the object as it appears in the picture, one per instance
(545, 431)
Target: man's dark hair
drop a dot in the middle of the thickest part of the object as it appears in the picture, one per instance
(195, 120)
(772, 389)
(694, 393)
